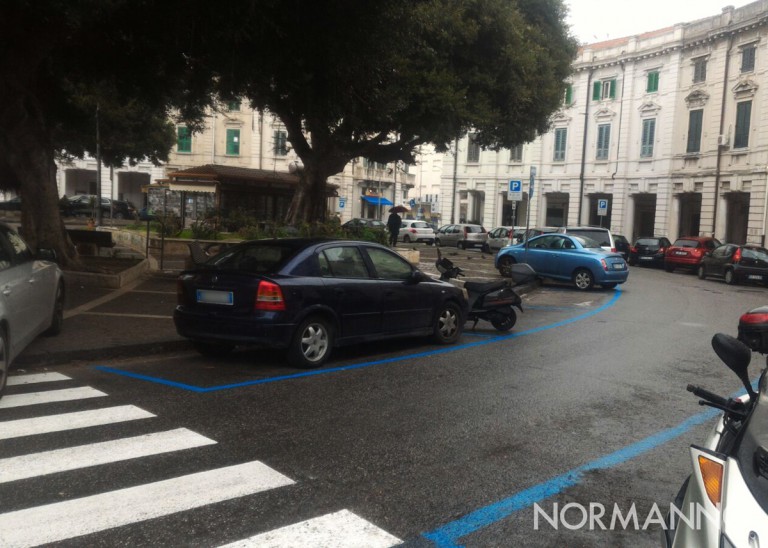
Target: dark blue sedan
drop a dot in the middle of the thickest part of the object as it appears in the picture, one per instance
(577, 259)
(310, 295)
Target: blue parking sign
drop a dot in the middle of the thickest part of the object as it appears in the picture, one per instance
(602, 207)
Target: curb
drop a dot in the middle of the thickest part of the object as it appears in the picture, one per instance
(109, 281)
(96, 354)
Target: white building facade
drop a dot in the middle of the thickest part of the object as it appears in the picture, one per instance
(666, 127)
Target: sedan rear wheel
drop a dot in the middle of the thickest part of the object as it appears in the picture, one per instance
(312, 343)
(700, 272)
(730, 277)
(3, 360)
(460, 244)
(406, 239)
(447, 324)
(583, 279)
(668, 267)
(505, 266)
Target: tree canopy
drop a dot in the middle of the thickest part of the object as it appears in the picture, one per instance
(347, 78)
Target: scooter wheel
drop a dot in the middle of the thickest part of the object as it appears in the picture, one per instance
(504, 322)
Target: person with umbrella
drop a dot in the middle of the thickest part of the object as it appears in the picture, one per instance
(393, 224)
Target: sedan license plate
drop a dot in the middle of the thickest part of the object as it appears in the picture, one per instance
(618, 266)
(755, 277)
(209, 296)
(646, 258)
(681, 253)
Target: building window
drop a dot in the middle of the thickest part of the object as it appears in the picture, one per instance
(233, 106)
(183, 139)
(652, 85)
(516, 154)
(649, 131)
(603, 141)
(699, 70)
(604, 89)
(568, 99)
(748, 59)
(561, 135)
(233, 142)
(694, 130)
(473, 150)
(743, 114)
(281, 146)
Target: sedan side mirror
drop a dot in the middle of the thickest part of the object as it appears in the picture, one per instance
(46, 255)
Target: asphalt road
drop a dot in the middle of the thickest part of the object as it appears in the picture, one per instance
(581, 403)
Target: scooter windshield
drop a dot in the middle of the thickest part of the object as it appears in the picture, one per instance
(752, 451)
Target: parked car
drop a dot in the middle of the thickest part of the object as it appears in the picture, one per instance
(84, 205)
(416, 231)
(601, 235)
(622, 245)
(735, 264)
(649, 251)
(358, 224)
(14, 204)
(688, 251)
(538, 231)
(500, 237)
(461, 235)
(309, 296)
(566, 257)
(32, 300)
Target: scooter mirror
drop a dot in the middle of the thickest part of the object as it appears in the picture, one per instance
(736, 355)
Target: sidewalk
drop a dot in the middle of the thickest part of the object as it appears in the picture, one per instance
(102, 323)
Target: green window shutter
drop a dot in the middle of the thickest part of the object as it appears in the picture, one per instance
(568, 94)
(695, 118)
(183, 139)
(597, 88)
(743, 115)
(649, 133)
(613, 89)
(653, 82)
(233, 142)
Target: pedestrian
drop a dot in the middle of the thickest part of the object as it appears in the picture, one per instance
(393, 225)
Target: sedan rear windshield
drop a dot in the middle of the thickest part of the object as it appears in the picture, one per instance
(758, 253)
(648, 241)
(474, 229)
(420, 225)
(587, 242)
(686, 243)
(259, 259)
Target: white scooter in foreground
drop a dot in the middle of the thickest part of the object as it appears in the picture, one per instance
(724, 502)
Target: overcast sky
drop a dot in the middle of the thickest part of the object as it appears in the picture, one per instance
(598, 20)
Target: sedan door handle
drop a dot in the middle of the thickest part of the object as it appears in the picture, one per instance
(7, 291)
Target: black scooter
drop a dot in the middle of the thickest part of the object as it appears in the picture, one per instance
(490, 301)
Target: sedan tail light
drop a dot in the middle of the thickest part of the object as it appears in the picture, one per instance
(662, 250)
(613, 250)
(412, 230)
(736, 255)
(605, 264)
(269, 296)
(697, 252)
(633, 249)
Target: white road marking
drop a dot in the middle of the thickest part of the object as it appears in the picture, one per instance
(70, 421)
(74, 518)
(16, 380)
(51, 396)
(94, 454)
(340, 530)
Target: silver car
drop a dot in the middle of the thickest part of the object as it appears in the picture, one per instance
(461, 235)
(502, 236)
(416, 231)
(31, 297)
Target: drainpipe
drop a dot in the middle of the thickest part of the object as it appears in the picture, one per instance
(261, 139)
(455, 171)
(584, 146)
(722, 127)
(618, 137)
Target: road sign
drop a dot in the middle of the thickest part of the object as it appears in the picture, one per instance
(602, 208)
(515, 191)
(342, 203)
(530, 186)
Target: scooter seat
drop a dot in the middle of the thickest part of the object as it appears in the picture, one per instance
(485, 287)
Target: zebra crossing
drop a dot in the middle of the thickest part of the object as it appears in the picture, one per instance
(61, 520)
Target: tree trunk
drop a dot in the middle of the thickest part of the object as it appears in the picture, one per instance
(309, 202)
(29, 155)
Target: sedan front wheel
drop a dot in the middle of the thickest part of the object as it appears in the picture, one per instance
(447, 324)
(505, 266)
(701, 273)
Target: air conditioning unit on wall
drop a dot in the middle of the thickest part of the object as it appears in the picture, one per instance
(723, 140)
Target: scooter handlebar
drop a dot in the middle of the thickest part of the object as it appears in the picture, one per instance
(707, 395)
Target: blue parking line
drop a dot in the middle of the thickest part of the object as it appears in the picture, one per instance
(491, 339)
(449, 534)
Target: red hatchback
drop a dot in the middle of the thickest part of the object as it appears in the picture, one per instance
(688, 251)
